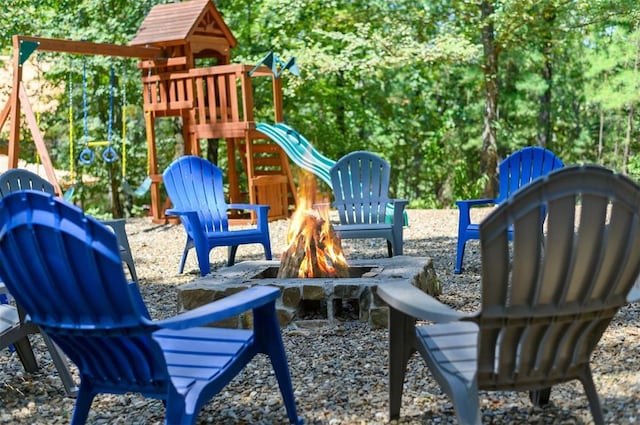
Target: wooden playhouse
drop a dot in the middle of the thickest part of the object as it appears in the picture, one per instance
(214, 102)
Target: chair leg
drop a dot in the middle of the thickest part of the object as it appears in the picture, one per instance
(389, 249)
(25, 354)
(592, 396)
(231, 255)
(540, 398)
(401, 347)
(84, 399)
(176, 408)
(459, 256)
(267, 250)
(60, 362)
(183, 260)
(269, 337)
(203, 260)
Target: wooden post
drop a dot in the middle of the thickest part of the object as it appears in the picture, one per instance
(234, 181)
(157, 214)
(14, 130)
(278, 114)
(38, 139)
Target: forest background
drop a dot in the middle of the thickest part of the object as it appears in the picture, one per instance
(443, 89)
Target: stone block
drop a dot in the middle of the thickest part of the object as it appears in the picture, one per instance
(313, 292)
(285, 315)
(427, 281)
(379, 317)
(346, 291)
(194, 298)
(291, 296)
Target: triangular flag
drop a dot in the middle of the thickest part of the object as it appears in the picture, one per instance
(26, 48)
(292, 66)
(267, 61)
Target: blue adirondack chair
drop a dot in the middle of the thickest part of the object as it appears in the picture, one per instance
(194, 185)
(50, 250)
(517, 170)
(360, 182)
(21, 179)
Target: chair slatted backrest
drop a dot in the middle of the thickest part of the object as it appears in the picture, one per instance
(196, 184)
(523, 166)
(360, 182)
(19, 179)
(548, 297)
(51, 251)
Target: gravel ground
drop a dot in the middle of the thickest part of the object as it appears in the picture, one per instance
(339, 374)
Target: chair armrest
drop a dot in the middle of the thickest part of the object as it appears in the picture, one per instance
(411, 301)
(255, 207)
(175, 211)
(475, 202)
(224, 308)
(398, 211)
(262, 212)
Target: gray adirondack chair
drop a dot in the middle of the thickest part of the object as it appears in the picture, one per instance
(20, 179)
(14, 330)
(547, 297)
(360, 183)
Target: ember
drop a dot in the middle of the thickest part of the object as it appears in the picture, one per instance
(313, 247)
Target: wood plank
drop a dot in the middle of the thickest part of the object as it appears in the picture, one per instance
(201, 100)
(90, 48)
(233, 98)
(162, 62)
(211, 97)
(38, 139)
(222, 87)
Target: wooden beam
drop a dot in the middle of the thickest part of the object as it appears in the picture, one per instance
(88, 47)
(14, 129)
(38, 139)
(5, 113)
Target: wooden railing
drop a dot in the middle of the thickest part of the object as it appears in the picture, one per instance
(220, 98)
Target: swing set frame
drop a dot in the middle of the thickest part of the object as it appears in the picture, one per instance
(23, 47)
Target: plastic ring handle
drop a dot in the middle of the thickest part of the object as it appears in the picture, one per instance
(87, 156)
(109, 154)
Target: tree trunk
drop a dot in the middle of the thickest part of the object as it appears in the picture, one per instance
(489, 153)
(544, 117)
(212, 150)
(627, 139)
(601, 136)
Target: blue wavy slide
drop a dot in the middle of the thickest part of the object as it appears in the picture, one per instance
(298, 148)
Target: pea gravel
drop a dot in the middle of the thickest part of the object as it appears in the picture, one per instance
(339, 373)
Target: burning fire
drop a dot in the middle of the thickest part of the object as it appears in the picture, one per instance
(313, 247)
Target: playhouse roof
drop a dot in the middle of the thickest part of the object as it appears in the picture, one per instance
(179, 23)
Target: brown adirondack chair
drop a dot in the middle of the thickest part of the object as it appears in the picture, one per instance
(547, 297)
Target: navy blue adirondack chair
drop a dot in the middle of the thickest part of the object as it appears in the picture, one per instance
(50, 250)
(517, 170)
(195, 186)
(360, 183)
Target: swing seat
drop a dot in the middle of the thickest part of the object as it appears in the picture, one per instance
(140, 190)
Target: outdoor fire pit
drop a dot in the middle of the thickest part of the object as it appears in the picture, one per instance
(315, 301)
(318, 285)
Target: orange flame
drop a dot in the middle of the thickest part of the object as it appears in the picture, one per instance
(311, 231)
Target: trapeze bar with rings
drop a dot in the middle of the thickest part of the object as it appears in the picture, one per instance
(109, 154)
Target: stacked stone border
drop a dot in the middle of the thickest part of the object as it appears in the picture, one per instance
(319, 301)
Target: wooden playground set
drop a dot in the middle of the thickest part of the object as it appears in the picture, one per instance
(214, 102)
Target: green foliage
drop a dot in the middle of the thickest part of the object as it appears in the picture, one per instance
(400, 78)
